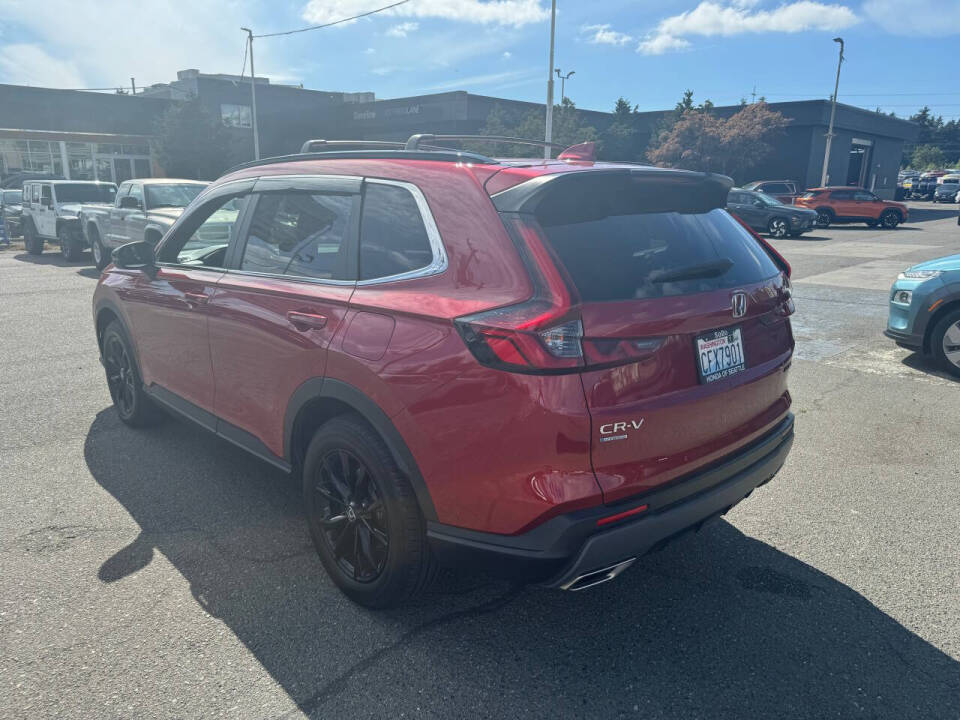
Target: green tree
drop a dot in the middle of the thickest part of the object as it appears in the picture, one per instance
(927, 157)
(568, 129)
(621, 140)
(191, 143)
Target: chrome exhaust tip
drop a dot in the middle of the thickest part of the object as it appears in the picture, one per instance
(597, 577)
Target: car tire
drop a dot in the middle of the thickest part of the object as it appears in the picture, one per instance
(778, 228)
(70, 247)
(31, 241)
(124, 381)
(101, 258)
(364, 517)
(889, 219)
(825, 216)
(946, 334)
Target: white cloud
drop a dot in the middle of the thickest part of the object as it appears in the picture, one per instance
(500, 12)
(711, 18)
(501, 79)
(660, 44)
(369, 51)
(923, 17)
(507, 54)
(403, 29)
(24, 64)
(604, 35)
(162, 43)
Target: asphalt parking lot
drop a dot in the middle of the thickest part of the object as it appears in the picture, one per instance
(165, 574)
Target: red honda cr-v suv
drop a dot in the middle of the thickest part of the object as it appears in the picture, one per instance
(541, 368)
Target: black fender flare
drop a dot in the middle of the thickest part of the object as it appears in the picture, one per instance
(316, 388)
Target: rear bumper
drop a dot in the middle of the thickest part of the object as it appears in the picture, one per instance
(567, 547)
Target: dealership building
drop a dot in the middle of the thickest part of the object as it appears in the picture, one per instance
(90, 135)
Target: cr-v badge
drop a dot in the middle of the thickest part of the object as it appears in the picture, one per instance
(618, 430)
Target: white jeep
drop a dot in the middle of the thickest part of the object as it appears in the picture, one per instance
(51, 211)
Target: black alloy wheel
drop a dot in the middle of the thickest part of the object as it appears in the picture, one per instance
(123, 379)
(890, 219)
(824, 218)
(777, 227)
(349, 511)
(363, 515)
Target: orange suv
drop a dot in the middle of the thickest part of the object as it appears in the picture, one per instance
(852, 205)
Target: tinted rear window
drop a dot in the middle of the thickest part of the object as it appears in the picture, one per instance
(624, 256)
(85, 193)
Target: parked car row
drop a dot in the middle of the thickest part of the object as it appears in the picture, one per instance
(936, 185)
(86, 214)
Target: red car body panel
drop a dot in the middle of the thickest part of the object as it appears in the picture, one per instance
(499, 452)
(674, 424)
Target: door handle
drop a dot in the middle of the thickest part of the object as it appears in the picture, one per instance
(304, 321)
(194, 299)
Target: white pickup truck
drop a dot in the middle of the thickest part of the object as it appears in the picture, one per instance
(143, 210)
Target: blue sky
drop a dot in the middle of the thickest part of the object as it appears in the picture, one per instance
(900, 53)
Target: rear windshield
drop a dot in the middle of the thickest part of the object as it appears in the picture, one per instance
(650, 255)
(12, 196)
(79, 192)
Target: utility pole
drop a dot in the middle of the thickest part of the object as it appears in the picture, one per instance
(548, 136)
(563, 82)
(133, 85)
(253, 96)
(833, 112)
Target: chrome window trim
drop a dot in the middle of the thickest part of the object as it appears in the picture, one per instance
(438, 264)
(291, 278)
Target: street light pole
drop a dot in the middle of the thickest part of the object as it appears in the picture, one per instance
(548, 135)
(563, 82)
(253, 96)
(833, 113)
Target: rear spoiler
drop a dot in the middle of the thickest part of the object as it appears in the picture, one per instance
(618, 190)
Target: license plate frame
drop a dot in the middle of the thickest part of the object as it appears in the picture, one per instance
(733, 338)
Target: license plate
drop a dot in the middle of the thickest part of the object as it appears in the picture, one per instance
(720, 354)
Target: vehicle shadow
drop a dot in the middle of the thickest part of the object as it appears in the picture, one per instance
(717, 625)
(52, 258)
(57, 260)
(926, 364)
(936, 212)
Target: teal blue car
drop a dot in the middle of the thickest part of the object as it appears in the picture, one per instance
(925, 311)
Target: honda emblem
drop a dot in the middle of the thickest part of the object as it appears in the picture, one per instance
(738, 302)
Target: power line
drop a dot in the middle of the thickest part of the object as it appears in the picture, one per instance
(335, 22)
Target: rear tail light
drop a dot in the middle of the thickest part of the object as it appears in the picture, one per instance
(544, 335)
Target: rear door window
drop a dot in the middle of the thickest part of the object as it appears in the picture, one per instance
(650, 255)
(775, 189)
(302, 234)
(394, 239)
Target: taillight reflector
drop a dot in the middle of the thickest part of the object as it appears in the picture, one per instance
(620, 516)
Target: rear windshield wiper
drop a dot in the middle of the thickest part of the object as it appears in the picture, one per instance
(692, 272)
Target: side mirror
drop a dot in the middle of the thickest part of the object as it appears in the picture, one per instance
(129, 203)
(136, 256)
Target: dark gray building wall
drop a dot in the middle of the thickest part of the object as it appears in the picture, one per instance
(30, 108)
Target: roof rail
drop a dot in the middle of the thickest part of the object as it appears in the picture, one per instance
(413, 143)
(320, 145)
